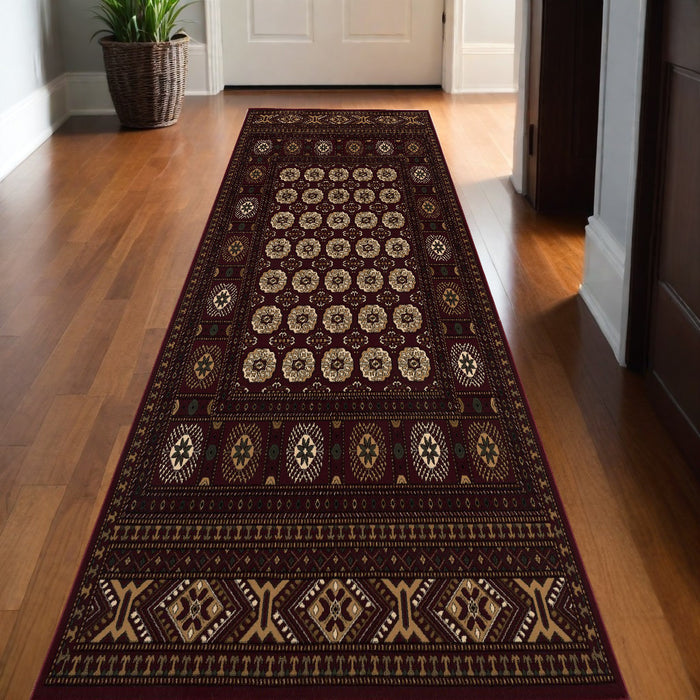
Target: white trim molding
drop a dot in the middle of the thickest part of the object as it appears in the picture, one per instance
(608, 250)
(88, 93)
(604, 279)
(214, 46)
(486, 67)
(451, 42)
(28, 123)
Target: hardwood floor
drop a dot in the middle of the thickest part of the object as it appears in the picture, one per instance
(98, 230)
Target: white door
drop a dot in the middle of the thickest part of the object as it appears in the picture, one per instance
(332, 42)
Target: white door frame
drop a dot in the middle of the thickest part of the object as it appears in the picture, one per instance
(451, 45)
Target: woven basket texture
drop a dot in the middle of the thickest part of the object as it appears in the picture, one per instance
(147, 80)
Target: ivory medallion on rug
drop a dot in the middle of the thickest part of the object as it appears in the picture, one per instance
(333, 487)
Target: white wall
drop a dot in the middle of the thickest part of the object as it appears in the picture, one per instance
(486, 59)
(608, 252)
(30, 50)
(32, 102)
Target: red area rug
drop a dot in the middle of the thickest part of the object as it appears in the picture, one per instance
(333, 487)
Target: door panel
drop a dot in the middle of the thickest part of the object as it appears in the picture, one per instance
(332, 42)
(674, 358)
(280, 20)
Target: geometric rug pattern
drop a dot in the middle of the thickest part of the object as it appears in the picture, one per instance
(333, 481)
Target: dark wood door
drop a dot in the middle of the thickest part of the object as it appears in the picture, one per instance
(563, 86)
(673, 341)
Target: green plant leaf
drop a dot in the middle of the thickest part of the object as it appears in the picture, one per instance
(140, 20)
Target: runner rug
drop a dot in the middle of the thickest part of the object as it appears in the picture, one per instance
(334, 487)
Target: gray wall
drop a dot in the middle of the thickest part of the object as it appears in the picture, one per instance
(489, 21)
(30, 50)
(77, 25)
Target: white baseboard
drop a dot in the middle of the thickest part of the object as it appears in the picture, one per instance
(27, 124)
(486, 68)
(604, 284)
(88, 94)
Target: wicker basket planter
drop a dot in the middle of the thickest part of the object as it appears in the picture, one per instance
(147, 80)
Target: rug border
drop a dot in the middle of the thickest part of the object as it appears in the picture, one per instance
(607, 691)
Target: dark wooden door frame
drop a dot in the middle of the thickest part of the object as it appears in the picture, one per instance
(646, 207)
(647, 230)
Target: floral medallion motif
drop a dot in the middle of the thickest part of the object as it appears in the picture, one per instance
(397, 247)
(278, 248)
(310, 220)
(290, 174)
(407, 318)
(314, 174)
(337, 318)
(246, 207)
(337, 365)
(338, 195)
(467, 365)
(402, 280)
(204, 367)
(286, 195)
(372, 318)
(338, 280)
(266, 319)
(282, 220)
(338, 220)
(375, 364)
(305, 451)
(364, 195)
(235, 248)
(438, 248)
(386, 174)
(308, 248)
(338, 248)
(370, 280)
(242, 453)
(368, 248)
(362, 174)
(298, 365)
(389, 195)
(489, 456)
(420, 174)
(365, 220)
(338, 174)
(273, 281)
(451, 298)
(429, 452)
(302, 319)
(312, 196)
(262, 147)
(393, 220)
(367, 452)
(305, 281)
(221, 300)
(181, 453)
(259, 365)
(323, 148)
(414, 364)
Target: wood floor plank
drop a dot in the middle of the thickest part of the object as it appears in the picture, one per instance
(20, 546)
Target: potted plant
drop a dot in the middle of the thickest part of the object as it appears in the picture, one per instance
(145, 56)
